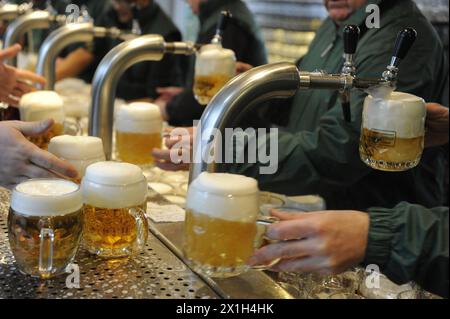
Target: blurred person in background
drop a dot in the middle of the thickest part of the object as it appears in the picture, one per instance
(178, 105)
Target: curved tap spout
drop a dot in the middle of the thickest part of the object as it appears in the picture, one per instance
(109, 71)
(34, 20)
(9, 11)
(270, 81)
(55, 43)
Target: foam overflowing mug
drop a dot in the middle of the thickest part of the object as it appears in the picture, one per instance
(393, 131)
(114, 223)
(43, 105)
(138, 132)
(214, 67)
(223, 225)
(45, 226)
(80, 151)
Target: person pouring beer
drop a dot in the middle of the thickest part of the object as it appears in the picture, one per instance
(179, 105)
(318, 150)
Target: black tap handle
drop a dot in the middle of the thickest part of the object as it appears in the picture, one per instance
(351, 38)
(224, 18)
(405, 41)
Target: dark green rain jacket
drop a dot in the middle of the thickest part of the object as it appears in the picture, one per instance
(319, 151)
(410, 243)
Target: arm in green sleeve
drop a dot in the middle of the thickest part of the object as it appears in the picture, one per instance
(411, 243)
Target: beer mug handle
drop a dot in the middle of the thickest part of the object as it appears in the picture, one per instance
(141, 228)
(261, 239)
(47, 240)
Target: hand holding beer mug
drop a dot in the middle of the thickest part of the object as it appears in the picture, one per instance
(45, 226)
(214, 67)
(393, 130)
(43, 105)
(138, 132)
(114, 213)
(221, 230)
(80, 151)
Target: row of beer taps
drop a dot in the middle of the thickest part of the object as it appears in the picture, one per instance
(244, 92)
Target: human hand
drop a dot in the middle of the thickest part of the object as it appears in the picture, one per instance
(177, 156)
(242, 67)
(168, 93)
(21, 160)
(324, 242)
(15, 82)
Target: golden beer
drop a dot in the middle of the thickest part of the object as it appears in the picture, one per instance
(138, 132)
(114, 222)
(45, 226)
(136, 148)
(111, 229)
(214, 67)
(220, 232)
(386, 154)
(42, 141)
(206, 87)
(206, 243)
(393, 130)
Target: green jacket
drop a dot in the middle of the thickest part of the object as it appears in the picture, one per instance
(411, 243)
(319, 152)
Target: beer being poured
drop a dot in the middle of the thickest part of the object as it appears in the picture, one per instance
(215, 65)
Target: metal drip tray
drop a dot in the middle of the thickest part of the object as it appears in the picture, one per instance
(154, 273)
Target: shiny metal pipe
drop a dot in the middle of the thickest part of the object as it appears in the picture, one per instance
(11, 11)
(109, 71)
(34, 20)
(280, 80)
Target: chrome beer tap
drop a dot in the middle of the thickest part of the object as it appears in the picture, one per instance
(280, 80)
(114, 64)
(9, 11)
(72, 33)
(224, 18)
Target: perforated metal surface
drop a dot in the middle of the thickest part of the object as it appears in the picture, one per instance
(154, 273)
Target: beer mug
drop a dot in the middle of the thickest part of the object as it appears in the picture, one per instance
(45, 226)
(214, 67)
(80, 151)
(43, 105)
(138, 131)
(223, 227)
(114, 223)
(393, 131)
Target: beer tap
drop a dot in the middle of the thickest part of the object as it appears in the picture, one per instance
(405, 41)
(72, 33)
(351, 37)
(279, 80)
(144, 48)
(224, 18)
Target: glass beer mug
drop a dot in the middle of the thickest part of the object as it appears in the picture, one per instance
(114, 223)
(43, 105)
(45, 226)
(223, 227)
(138, 132)
(80, 151)
(393, 131)
(214, 67)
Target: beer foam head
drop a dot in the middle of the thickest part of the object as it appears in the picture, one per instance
(399, 112)
(42, 105)
(139, 117)
(46, 197)
(215, 60)
(114, 185)
(225, 196)
(80, 151)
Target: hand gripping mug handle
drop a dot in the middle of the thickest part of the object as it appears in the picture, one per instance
(141, 228)
(47, 241)
(262, 223)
